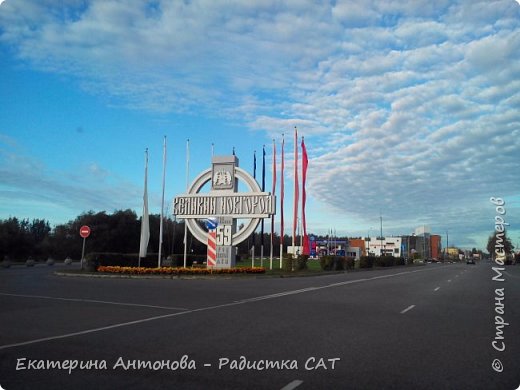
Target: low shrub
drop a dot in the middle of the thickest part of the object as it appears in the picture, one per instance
(295, 264)
(301, 262)
(326, 262)
(385, 261)
(367, 261)
(336, 263)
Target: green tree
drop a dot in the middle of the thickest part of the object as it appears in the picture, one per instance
(503, 242)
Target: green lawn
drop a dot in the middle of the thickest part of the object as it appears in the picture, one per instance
(312, 265)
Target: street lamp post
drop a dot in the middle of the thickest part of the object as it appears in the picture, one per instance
(381, 237)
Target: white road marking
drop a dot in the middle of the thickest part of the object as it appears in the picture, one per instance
(408, 309)
(293, 385)
(92, 301)
(120, 325)
(260, 298)
(437, 289)
(449, 280)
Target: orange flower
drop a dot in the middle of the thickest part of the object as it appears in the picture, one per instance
(179, 271)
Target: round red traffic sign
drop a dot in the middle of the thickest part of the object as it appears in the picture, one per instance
(84, 231)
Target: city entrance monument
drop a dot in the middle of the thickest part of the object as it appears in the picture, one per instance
(212, 216)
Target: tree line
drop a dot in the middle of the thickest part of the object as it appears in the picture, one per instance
(118, 232)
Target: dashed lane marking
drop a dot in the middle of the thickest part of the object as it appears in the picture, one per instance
(293, 385)
(408, 309)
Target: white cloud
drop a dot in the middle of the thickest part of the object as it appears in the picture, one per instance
(413, 105)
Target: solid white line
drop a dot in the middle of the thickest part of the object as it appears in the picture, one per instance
(92, 301)
(260, 298)
(120, 325)
(437, 289)
(408, 309)
(449, 280)
(293, 385)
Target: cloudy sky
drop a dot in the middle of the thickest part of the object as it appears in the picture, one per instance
(409, 108)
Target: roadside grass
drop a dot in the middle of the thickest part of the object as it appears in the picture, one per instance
(313, 266)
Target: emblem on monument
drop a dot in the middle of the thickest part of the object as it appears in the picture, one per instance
(223, 174)
(222, 179)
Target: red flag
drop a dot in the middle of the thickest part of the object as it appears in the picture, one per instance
(273, 192)
(296, 188)
(305, 163)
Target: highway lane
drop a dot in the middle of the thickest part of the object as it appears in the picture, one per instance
(420, 327)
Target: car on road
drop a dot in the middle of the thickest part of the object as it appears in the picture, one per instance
(470, 261)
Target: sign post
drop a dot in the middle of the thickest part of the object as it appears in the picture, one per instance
(84, 232)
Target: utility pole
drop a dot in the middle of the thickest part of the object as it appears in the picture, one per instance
(381, 237)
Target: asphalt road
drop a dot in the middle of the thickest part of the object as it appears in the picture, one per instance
(429, 327)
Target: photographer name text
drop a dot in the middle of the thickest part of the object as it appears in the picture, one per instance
(183, 364)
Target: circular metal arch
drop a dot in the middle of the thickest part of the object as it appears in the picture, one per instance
(241, 235)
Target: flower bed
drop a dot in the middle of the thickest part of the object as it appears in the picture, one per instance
(179, 271)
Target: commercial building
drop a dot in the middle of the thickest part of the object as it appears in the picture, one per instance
(383, 246)
(422, 244)
(357, 245)
(436, 246)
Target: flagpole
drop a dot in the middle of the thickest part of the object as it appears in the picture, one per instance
(253, 247)
(296, 193)
(162, 205)
(145, 223)
(282, 163)
(305, 163)
(262, 226)
(187, 185)
(272, 216)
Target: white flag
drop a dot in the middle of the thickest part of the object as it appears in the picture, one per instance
(145, 223)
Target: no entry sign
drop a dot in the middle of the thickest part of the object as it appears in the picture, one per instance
(84, 231)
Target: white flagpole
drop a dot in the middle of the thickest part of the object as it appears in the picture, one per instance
(187, 186)
(272, 217)
(145, 224)
(296, 193)
(162, 205)
(282, 227)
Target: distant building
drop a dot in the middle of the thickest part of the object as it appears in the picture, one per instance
(357, 245)
(436, 246)
(453, 252)
(422, 243)
(354, 252)
(381, 246)
(331, 247)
